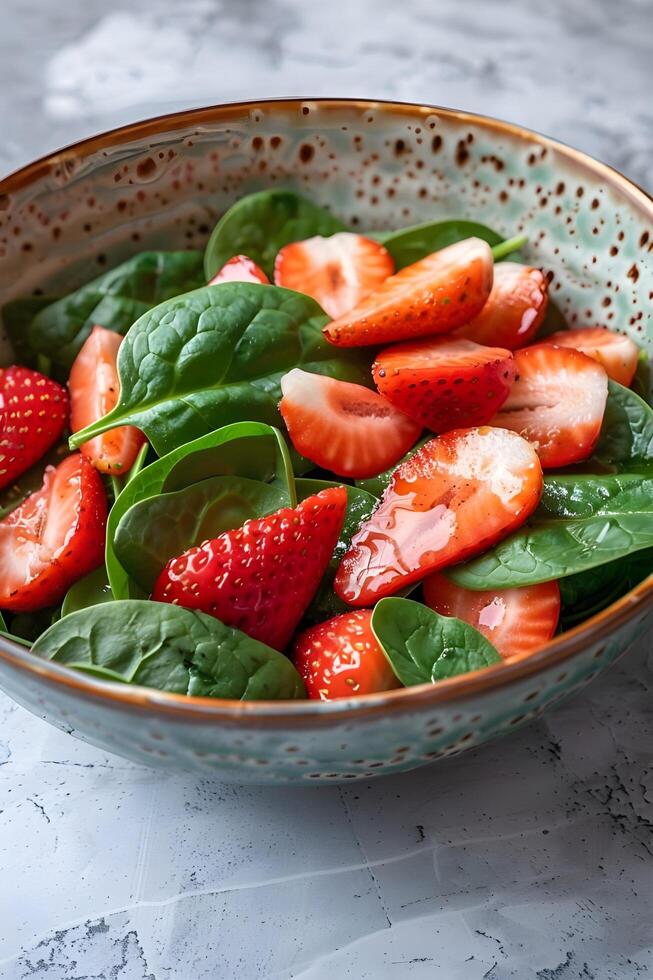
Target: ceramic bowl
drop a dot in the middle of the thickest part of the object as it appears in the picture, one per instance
(163, 183)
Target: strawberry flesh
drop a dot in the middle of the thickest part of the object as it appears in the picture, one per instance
(261, 577)
(33, 415)
(454, 498)
(343, 427)
(240, 268)
(445, 383)
(432, 296)
(514, 310)
(338, 272)
(53, 538)
(617, 353)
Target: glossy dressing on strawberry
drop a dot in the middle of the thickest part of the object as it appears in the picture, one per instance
(455, 497)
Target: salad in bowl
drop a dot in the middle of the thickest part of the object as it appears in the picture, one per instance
(316, 462)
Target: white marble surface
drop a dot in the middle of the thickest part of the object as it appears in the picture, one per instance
(531, 858)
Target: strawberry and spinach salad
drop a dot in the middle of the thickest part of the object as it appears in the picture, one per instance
(315, 463)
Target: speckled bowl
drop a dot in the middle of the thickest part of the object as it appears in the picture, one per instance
(163, 183)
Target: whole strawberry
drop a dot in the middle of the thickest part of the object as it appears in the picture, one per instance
(261, 577)
(33, 415)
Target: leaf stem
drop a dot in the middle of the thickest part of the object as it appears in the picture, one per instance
(509, 246)
(116, 485)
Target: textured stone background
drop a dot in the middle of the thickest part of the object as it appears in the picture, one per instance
(530, 858)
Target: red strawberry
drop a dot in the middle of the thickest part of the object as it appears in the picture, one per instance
(261, 577)
(53, 538)
(94, 390)
(557, 403)
(432, 296)
(342, 657)
(516, 621)
(454, 498)
(239, 269)
(338, 271)
(344, 427)
(514, 310)
(618, 354)
(445, 382)
(33, 415)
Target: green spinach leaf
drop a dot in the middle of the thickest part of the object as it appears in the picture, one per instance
(169, 648)
(586, 593)
(626, 441)
(260, 224)
(162, 527)
(216, 356)
(642, 381)
(91, 590)
(409, 245)
(114, 300)
(17, 316)
(360, 505)
(423, 647)
(248, 449)
(553, 321)
(582, 522)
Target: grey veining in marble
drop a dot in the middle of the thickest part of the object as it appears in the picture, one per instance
(531, 858)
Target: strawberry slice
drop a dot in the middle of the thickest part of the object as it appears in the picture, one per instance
(617, 353)
(53, 538)
(338, 271)
(435, 295)
(557, 403)
(516, 621)
(514, 310)
(344, 427)
(454, 498)
(94, 389)
(261, 577)
(342, 657)
(445, 382)
(239, 269)
(33, 415)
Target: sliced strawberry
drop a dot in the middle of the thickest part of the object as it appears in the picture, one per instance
(33, 415)
(239, 269)
(344, 427)
(338, 272)
(617, 353)
(445, 382)
(514, 310)
(432, 296)
(53, 538)
(261, 577)
(94, 390)
(557, 403)
(342, 657)
(516, 621)
(454, 498)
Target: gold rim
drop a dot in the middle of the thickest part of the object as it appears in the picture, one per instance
(297, 713)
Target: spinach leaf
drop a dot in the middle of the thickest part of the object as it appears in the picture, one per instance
(114, 300)
(582, 522)
(360, 504)
(376, 485)
(27, 627)
(91, 590)
(423, 647)
(553, 321)
(248, 449)
(215, 356)
(642, 381)
(162, 527)
(409, 245)
(164, 646)
(260, 224)
(586, 593)
(626, 441)
(17, 316)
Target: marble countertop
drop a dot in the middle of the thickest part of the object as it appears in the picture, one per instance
(529, 858)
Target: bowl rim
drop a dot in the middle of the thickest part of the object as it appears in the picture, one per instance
(300, 713)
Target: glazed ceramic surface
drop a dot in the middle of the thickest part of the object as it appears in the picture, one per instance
(163, 183)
